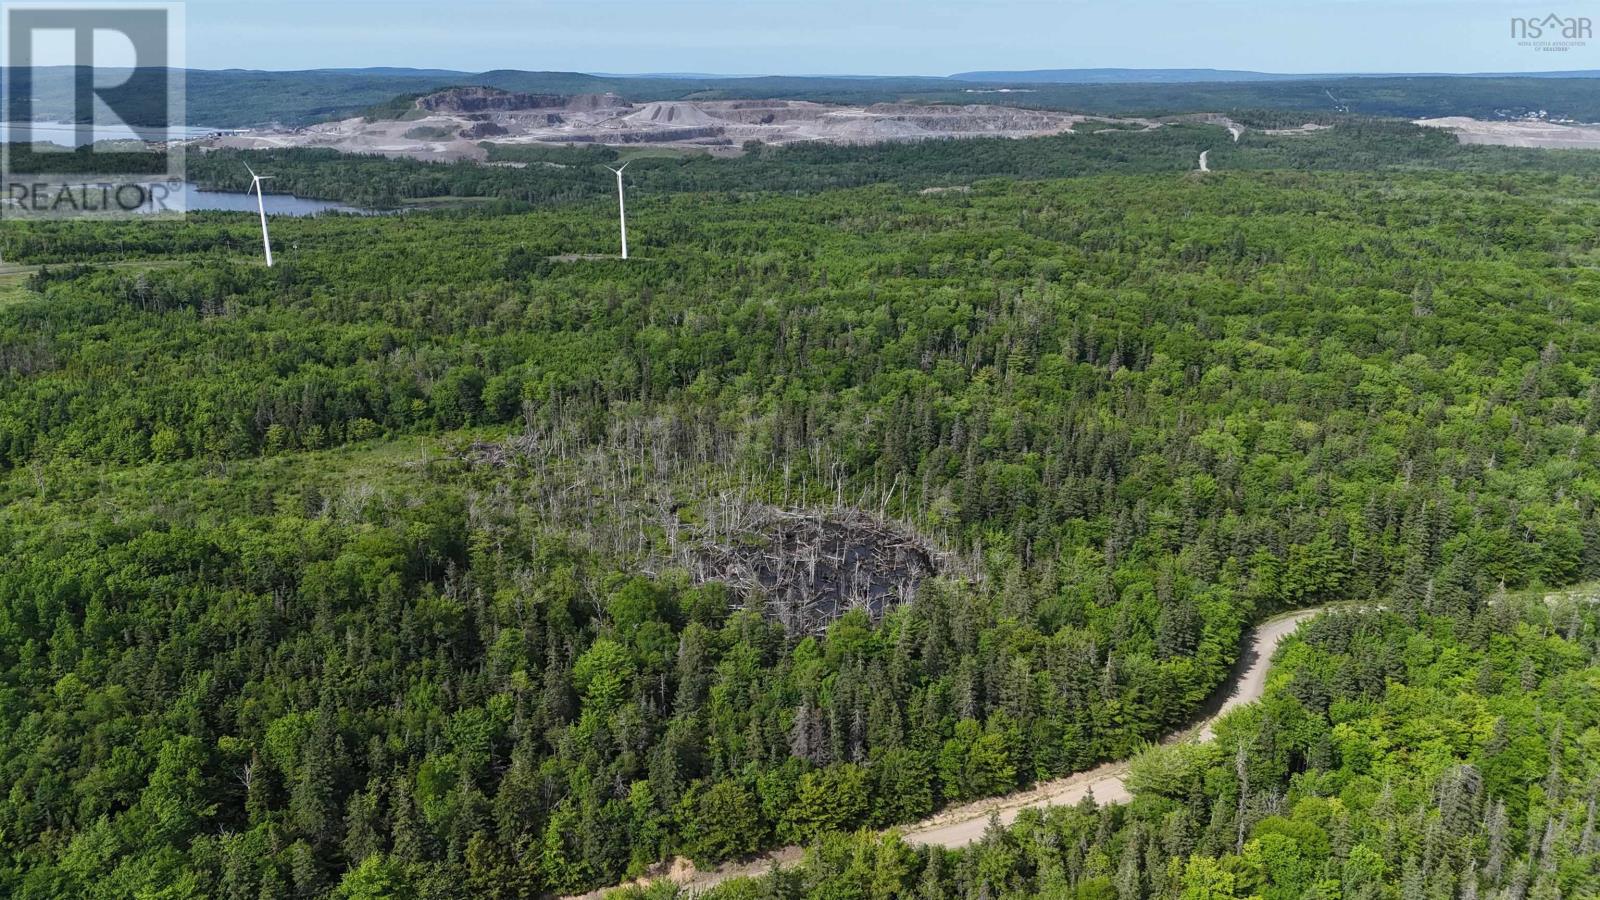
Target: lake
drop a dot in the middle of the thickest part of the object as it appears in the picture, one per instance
(65, 134)
(196, 200)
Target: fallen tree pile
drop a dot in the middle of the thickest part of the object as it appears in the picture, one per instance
(809, 567)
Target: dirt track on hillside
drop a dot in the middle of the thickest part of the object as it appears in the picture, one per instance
(964, 825)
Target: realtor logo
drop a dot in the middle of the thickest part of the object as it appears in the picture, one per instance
(1552, 33)
(93, 103)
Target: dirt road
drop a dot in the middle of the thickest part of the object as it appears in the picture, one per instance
(964, 825)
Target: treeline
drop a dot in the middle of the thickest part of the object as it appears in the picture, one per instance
(1408, 97)
(546, 176)
(380, 183)
(28, 159)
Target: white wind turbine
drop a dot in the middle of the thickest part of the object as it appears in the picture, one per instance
(622, 209)
(261, 204)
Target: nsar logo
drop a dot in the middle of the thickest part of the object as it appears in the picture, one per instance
(1553, 28)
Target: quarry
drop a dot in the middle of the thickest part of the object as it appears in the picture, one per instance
(452, 124)
(1519, 132)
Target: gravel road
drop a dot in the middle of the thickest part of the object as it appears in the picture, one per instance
(963, 825)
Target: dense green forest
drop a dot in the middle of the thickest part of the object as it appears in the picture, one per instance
(1442, 757)
(381, 573)
(551, 175)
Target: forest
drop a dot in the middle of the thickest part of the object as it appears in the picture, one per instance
(1434, 756)
(384, 572)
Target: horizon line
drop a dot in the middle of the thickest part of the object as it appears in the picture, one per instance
(1019, 74)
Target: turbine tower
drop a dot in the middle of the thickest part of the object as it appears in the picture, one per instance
(261, 204)
(622, 209)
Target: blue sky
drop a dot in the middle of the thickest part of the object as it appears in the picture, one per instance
(925, 37)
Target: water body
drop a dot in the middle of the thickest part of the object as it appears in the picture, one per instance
(66, 134)
(196, 200)
(161, 197)
(192, 198)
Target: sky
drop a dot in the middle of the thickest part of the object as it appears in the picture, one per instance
(876, 37)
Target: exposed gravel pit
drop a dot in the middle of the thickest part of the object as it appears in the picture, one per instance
(1519, 133)
(462, 115)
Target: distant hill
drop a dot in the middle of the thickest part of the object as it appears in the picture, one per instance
(395, 72)
(1119, 76)
(241, 98)
(1196, 76)
(1579, 73)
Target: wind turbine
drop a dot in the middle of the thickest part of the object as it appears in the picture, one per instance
(261, 204)
(622, 209)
